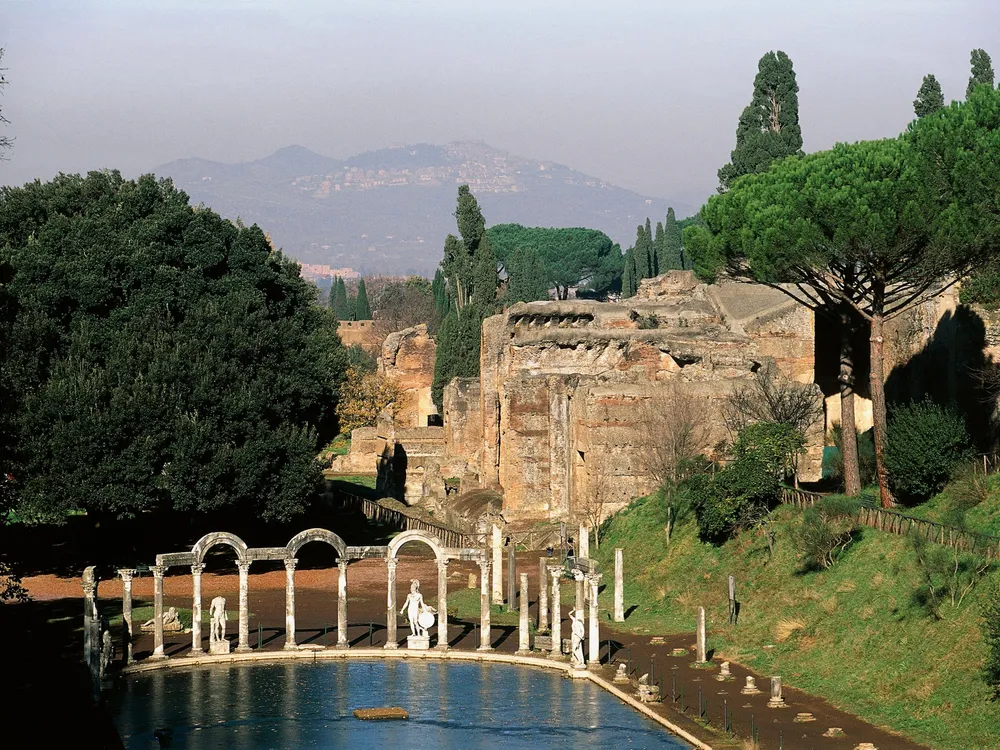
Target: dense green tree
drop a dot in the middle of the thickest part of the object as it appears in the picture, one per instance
(672, 258)
(439, 289)
(572, 257)
(362, 308)
(769, 127)
(982, 71)
(525, 276)
(658, 248)
(470, 271)
(628, 273)
(870, 229)
(641, 252)
(158, 356)
(338, 300)
(929, 98)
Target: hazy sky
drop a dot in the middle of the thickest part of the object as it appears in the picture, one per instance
(643, 94)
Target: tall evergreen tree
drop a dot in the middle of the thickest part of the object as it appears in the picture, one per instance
(982, 71)
(641, 253)
(341, 307)
(672, 259)
(362, 308)
(470, 272)
(659, 249)
(769, 127)
(628, 273)
(929, 98)
(439, 288)
(526, 276)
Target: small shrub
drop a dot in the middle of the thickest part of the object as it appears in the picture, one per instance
(827, 529)
(947, 574)
(990, 625)
(774, 445)
(924, 446)
(734, 498)
(648, 321)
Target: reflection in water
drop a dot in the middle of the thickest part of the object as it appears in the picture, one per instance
(451, 705)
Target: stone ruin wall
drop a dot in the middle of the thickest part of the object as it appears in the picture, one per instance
(407, 358)
(564, 386)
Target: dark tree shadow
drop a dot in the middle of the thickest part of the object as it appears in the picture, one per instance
(947, 369)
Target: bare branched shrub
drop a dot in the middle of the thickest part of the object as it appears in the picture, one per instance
(771, 397)
(676, 435)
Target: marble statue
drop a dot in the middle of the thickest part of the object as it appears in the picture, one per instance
(576, 659)
(218, 615)
(107, 652)
(217, 643)
(418, 612)
(171, 622)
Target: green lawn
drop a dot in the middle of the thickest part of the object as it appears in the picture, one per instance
(854, 634)
(465, 604)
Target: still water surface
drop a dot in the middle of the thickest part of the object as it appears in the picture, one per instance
(451, 705)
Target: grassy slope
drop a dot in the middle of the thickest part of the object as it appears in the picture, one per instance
(864, 644)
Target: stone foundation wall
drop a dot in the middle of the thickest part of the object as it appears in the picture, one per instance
(407, 358)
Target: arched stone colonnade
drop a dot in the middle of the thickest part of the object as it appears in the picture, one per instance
(245, 556)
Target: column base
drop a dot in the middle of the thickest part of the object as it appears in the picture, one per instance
(342, 646)
(158, 656)
(485, 648)
(241, 649)
(442, 647)
(523, 652)
(594, 666)
(391, 645)
(556, 657)
(290, 647)
(197, 651)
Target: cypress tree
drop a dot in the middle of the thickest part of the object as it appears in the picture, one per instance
(672, 257)
(929, 97)
(439, 288)
(526, 276)
(982, 71)
(628, 273)
(659, 249)
(362, 308)
(641, 252)
(484, 282)
(341, 307)
(769, 127)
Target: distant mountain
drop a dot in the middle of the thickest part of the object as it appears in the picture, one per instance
(388, 211)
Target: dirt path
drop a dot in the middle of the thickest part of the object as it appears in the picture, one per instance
(316, 617)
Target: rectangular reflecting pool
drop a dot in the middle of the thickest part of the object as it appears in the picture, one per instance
(451, 705)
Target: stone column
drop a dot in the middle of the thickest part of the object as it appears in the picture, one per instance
(523, 637)
(342, 604)
(556, 571)
(442, 606)
(485, 639)
(290, 603)
(701, 657)
(90, 646)
(583, 542)
(543, 595)
(497, 565)
(619, 587)
(158, 571)
(581, 592)
(594, 638)
(511, 577)
(244, 625)
(128, 635)
(776, 701)
(196, 608)
(390, 612)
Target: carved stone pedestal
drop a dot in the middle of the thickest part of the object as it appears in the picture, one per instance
(418, 642)
(219, 648)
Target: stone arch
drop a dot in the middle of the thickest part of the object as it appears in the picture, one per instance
(208, 541)
(415, 535)
(315, 535)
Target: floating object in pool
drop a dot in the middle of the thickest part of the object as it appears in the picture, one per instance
(375, 714)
